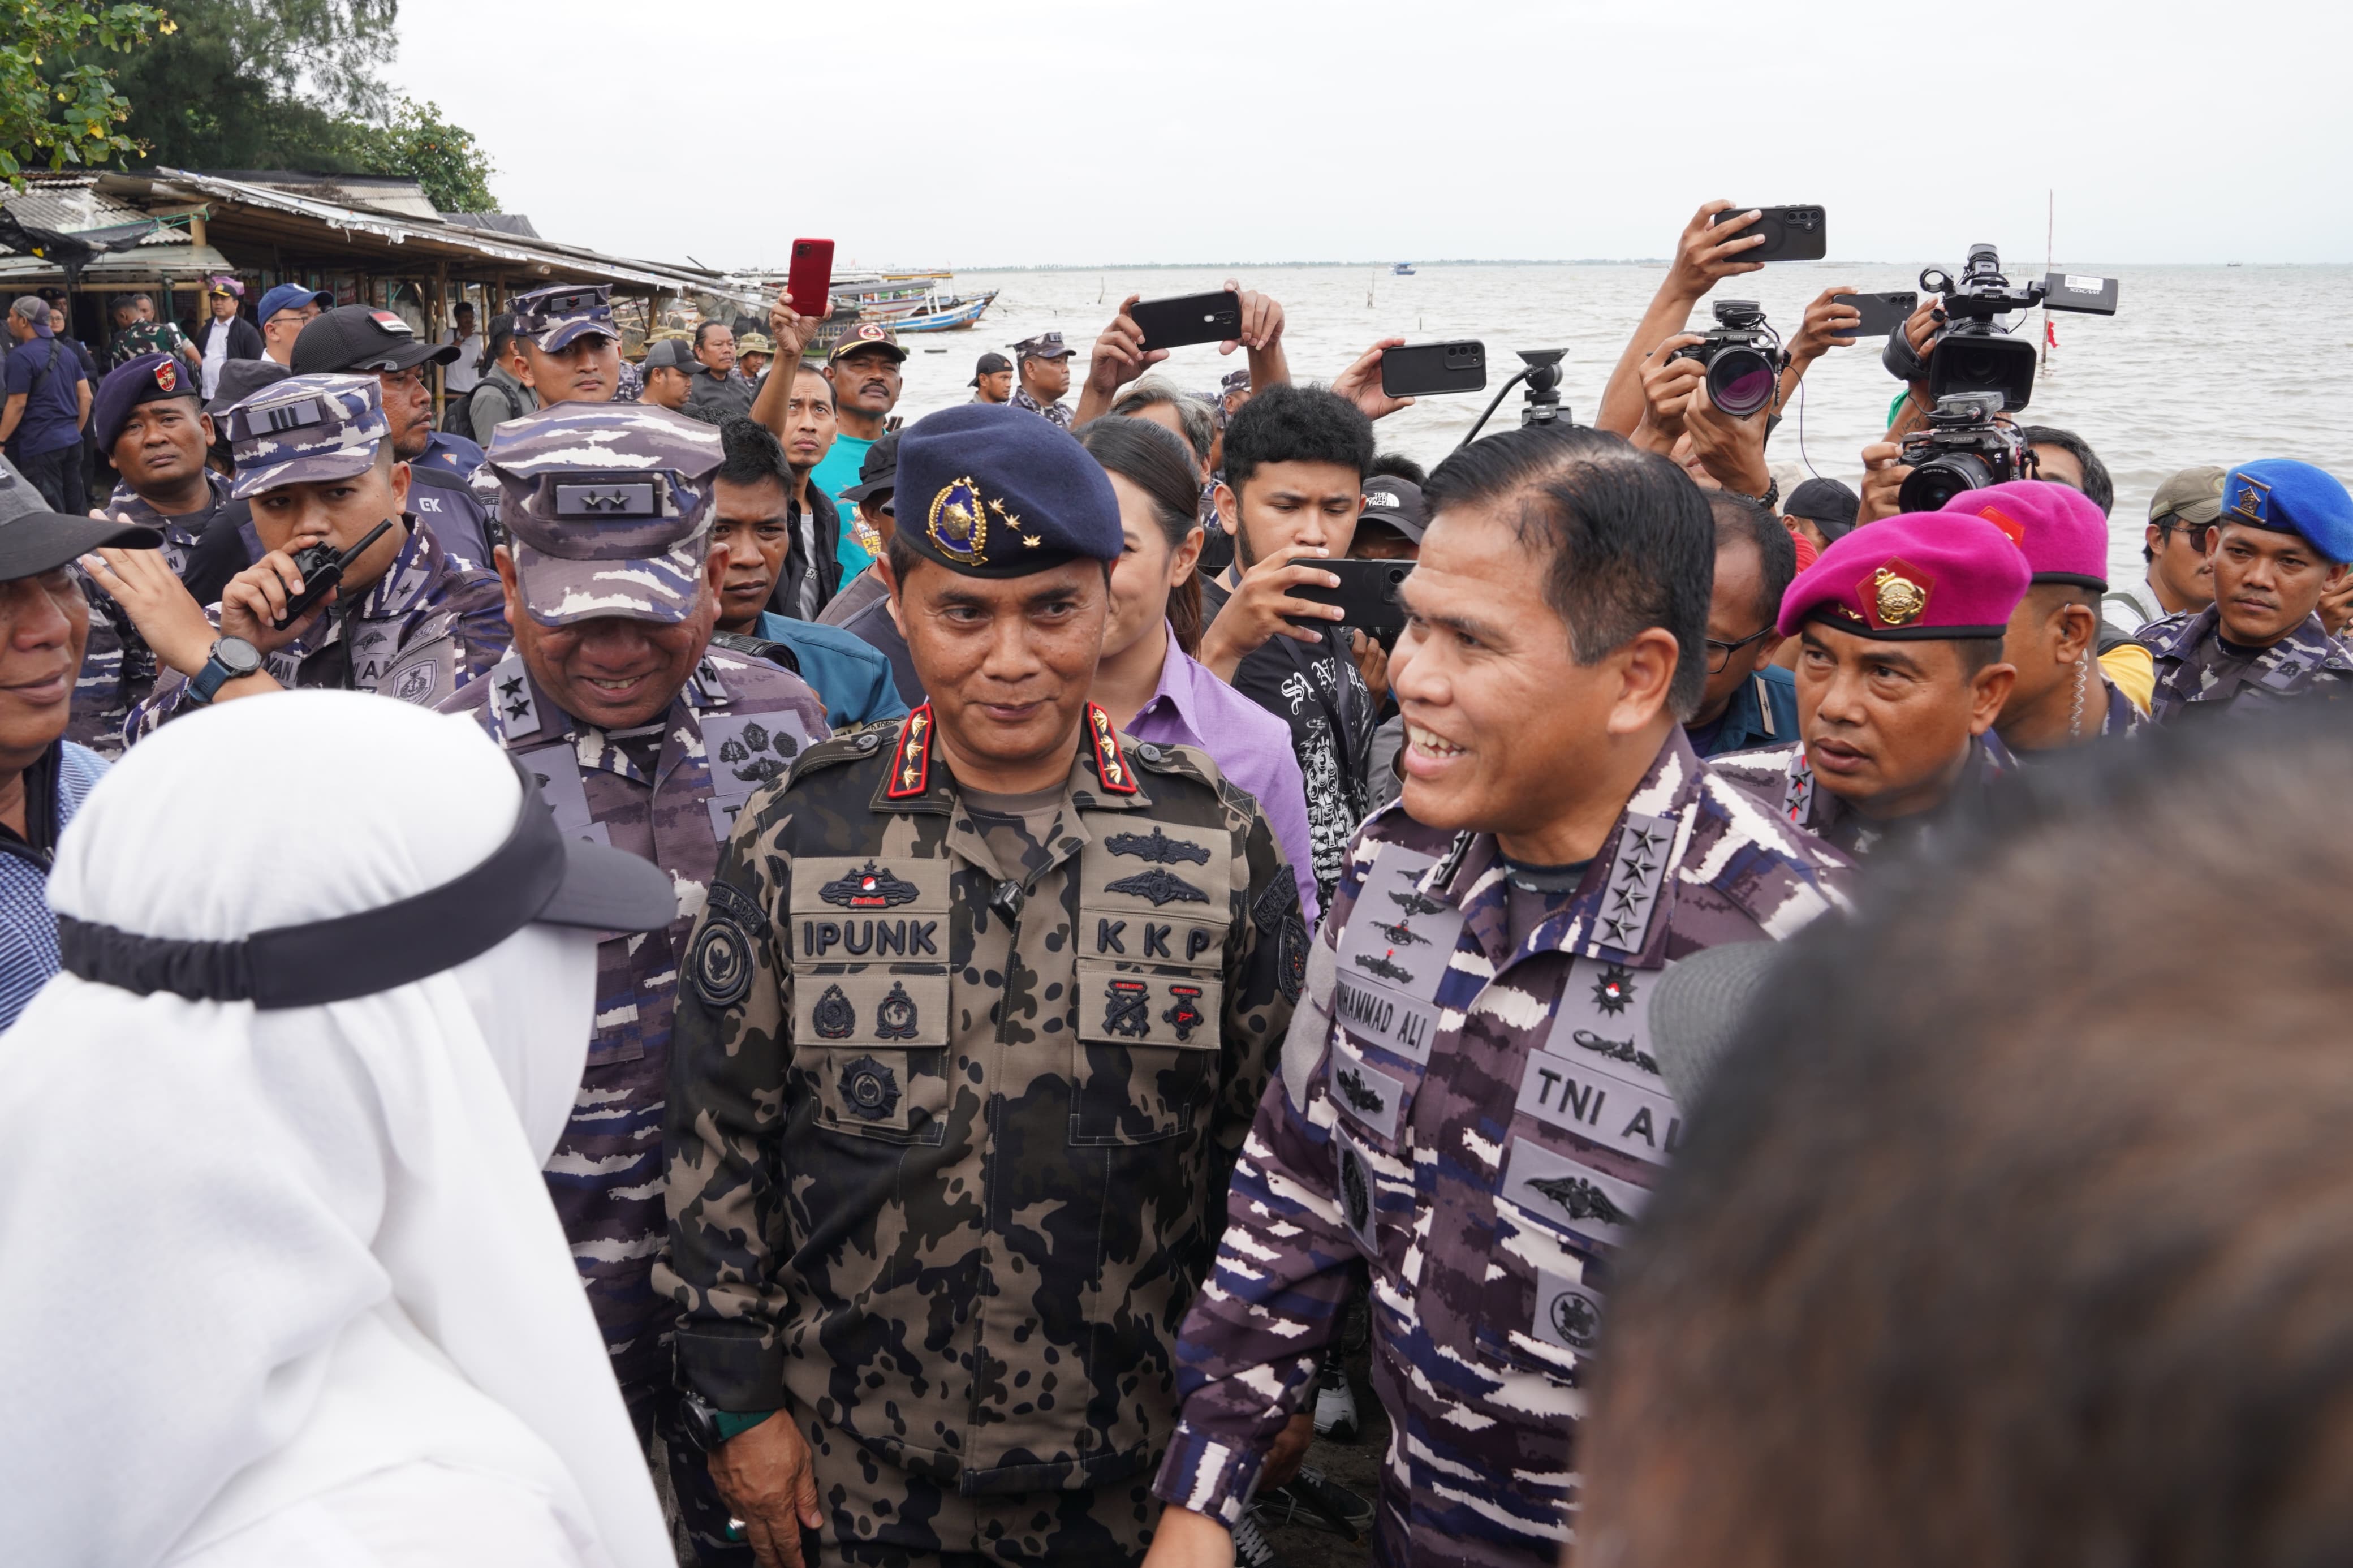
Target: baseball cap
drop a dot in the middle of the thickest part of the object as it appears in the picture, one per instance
(991, 364)
(553, 317)
(1827, 504)
(240, 379)
(673, 353)
(306, 429)
(291, 297)
(607, 507)
(866, 335)
(1045, 345)
(39, 541)
(362, 338)
(877, 471)
(1396, 502)
(2193, 495)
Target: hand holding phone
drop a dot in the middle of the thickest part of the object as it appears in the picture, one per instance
(811, 277)
(1790, 234)
(1188, 318)
(1880, 314)
(1428, 368)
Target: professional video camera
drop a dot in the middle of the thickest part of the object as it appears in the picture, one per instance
(1973, 352)
(1743, 356)
(1962, 449)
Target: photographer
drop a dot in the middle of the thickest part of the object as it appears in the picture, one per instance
(1718, 450)
(1120, 355)
(2284, 535)
(1705, 256)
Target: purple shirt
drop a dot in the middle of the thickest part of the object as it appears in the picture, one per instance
(1252, 748)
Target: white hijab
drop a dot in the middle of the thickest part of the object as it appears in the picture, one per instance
(248, 1257)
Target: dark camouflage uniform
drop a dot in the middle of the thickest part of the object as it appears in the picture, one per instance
(1057, 414)
(1479, 1120)
(118, 667)
(948, 1137)
(145, 338)
(2193, 667)
(1780, 778)
(422, 629)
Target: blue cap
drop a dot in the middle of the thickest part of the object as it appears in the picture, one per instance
(990, 490)
(291, 297)
(2289, 496)
(149, 378)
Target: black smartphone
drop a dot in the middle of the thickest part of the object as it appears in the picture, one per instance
(1427, 368)
(1792, 234)
(1189, 318)
(1881, 314)
(1367, 593)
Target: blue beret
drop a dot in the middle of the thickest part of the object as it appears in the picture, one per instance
(990, 490)
(146, 379)
(2283, 494)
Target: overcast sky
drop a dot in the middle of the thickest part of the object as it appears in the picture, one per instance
(1091, 132)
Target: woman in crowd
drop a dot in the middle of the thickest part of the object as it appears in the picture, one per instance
(279, 1280)
(1148, 681)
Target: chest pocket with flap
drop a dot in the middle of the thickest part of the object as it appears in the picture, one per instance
(1155, 902)
(869, 963)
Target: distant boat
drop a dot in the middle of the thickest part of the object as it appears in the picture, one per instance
(1401, 269)
(949, 313)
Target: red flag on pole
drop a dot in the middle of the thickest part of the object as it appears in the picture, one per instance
(2049, 332)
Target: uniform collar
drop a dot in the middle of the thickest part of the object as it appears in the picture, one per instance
(188, 524)
(522, 710)
(1102, 777)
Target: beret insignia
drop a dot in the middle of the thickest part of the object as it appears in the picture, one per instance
(167, 376)
(2254, 502)
(1895, 595)
(958, 523)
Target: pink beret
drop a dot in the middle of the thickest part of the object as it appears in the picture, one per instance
(2062, 533)
(1924, 574)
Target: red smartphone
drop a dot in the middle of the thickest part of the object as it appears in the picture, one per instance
(812, 276)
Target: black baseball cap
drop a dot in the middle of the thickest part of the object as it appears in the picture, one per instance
(878, 472)
(240, 379)
(1396, 502)
(1826, 503)
(363, 338)
(41, 542)
(990, 363)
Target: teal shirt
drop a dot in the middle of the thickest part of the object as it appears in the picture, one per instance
(849, 677)
(836, 474)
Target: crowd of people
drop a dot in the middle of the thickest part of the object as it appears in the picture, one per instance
(992, 998)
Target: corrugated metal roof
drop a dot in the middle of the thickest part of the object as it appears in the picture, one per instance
(75, 202)
(503, 222)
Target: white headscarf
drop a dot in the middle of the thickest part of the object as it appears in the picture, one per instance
(248, 1257)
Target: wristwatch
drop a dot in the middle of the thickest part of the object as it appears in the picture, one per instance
(232, 658)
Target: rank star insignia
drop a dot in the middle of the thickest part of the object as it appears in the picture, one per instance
(1160, 886)
(1158, 846)
(1644, 840)
(1638, 869)
(1614, 930)
(1614, 991)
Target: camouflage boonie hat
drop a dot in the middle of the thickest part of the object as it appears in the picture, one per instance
(304, 429)
(552, 318)
(607, 506)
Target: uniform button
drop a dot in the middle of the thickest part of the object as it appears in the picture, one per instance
(868, 742)
(1148, 752)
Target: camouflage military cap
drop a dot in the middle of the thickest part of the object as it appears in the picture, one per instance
(607, 506)
(304, 429)
(552, 318)
(755, 344)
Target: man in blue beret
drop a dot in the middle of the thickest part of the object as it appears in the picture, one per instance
(149, 420)
(975, 1020)
(2282, 540)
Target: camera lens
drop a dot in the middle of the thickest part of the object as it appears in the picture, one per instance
(1740, 381)
(1928, 487)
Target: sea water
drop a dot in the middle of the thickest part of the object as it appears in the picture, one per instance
(2199, 364)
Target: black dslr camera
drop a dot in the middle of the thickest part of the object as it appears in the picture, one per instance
(1962, 449)
(1973, 352)
(1743, 357)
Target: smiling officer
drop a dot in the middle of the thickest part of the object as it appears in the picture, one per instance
(977, 1018)
(1900, 679)
(646, 738)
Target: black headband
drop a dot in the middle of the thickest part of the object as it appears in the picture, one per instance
(349, 956)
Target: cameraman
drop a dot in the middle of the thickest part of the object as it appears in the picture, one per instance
(1718, 450)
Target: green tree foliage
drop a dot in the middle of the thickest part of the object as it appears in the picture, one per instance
(58, 103)
(260, 84)
(443, 159)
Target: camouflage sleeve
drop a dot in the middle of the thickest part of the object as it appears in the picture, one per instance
(166, 701)
(1247, 1354)
(118, 670)
(481, 630)
(727, 1060)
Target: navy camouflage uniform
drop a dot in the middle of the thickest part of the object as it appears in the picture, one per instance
(958, 1085)
(118, 667)
(668, 790)
(1479, 1120)
(1045, 345)
(422, 629)
(1779, 777)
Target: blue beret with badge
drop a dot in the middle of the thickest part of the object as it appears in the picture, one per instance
(989, 490)
(149, 378)
(2289, 496)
